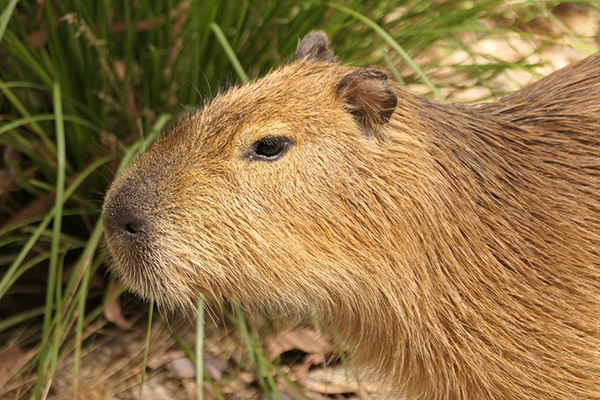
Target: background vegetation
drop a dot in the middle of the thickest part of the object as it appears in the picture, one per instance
(85, 86)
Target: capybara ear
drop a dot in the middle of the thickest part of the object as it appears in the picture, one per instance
(315, 47)
(366, 94)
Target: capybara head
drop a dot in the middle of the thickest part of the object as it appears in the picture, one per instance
(247, 195)
(456, 247)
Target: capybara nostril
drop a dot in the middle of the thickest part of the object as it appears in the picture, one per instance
(127, 213)
(132, 225)
(133, 229)
(121, 220)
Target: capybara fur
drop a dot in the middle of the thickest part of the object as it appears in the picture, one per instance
(455, 247)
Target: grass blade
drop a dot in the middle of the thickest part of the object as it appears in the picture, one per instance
(229, 51)
(7, 277)
(200, 349)
(390, 40)
(85, 262)
(147, 346)
(55, 247)
(5, 17)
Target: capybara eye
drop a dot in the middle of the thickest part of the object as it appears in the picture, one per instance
(269, 148)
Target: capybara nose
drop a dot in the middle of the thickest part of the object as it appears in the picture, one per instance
(126, 213)
(125, 222)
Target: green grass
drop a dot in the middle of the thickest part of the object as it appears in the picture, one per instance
(85, 87)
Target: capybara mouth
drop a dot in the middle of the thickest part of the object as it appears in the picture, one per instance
(149, 271)
(148, 256)
(134, 231)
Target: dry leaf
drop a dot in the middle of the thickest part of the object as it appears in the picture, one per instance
(306, 340)
(338, 380)
(38, 38)
(165, 358)
(310, 360)
(280, 395)
(120, 68)
(215, 368)
(238, 383)
(182, 368)
(582, 21)
(34, 209)
(10, 362)
(334, 380)
(113, 313)
(285, 388)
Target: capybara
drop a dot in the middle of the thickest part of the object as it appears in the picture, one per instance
(455, 247)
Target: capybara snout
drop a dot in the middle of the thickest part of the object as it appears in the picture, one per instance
(127, 214)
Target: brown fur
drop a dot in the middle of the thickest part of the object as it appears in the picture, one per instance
(457, 247)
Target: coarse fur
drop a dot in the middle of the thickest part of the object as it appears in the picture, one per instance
(456, 247)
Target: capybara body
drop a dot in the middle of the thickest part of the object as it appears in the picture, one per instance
(455, 247)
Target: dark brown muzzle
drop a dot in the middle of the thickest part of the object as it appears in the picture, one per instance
(128, 212)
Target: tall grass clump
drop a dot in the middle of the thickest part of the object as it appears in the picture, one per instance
(86, 86)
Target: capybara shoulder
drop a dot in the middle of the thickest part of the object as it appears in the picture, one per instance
(456, 248)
